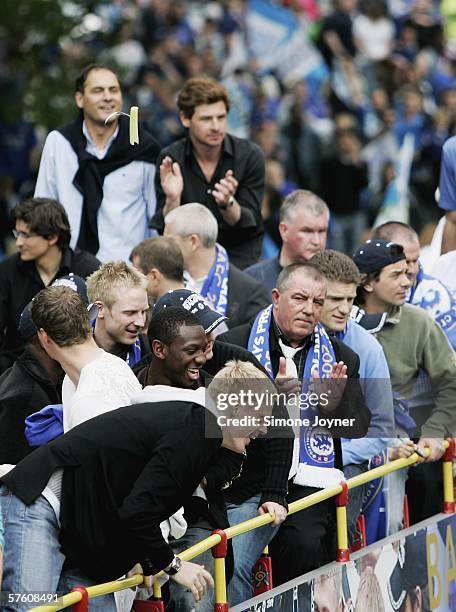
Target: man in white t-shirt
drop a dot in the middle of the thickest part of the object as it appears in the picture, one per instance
(95, 382)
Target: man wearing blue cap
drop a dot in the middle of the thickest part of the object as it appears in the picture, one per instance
(421, 361)
(427, 291)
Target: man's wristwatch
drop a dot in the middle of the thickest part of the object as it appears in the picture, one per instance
(173, 567)
(229, 204)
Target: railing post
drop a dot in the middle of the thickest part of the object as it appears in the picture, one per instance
(83, 605)
(151, 605)
(448, 490)
(219, 553)
(343, 551)
(406, 513)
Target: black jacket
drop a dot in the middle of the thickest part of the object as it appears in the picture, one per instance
(244, 239)
(19, 283)
(268, 460)
(352, 405)
(25, 388)
(246, 297)
(124, 472)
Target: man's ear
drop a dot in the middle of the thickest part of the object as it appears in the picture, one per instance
(101, 309)
(155, 276)
(184, 120)
(45, 339)
(195, 242)
(275, 296)
(53, 239)
(283, 231)
(159, 349)
(78, 98)
(42, 337)
(368, 288)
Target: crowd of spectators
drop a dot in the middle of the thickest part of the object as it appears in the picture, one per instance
(389, 70)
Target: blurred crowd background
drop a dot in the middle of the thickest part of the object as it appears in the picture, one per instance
(327, 88)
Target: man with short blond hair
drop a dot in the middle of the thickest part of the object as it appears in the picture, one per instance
(120, 293)
(303, 227)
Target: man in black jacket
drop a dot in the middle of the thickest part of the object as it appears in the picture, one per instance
(32, 382)
(42, 233)
(124, 473)
(268, 459)
(223, 172)
(289, 329)
(176, 370)
(208, 268)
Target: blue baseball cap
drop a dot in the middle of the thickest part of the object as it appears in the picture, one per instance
(194, 303)
(374, 255)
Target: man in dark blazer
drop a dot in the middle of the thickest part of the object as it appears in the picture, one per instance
(126, 471)
(303, 540)
(208, 269)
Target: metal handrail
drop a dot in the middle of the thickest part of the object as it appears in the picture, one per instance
(254, 523)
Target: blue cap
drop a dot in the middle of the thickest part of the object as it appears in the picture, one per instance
(374, 255)
(194, 303)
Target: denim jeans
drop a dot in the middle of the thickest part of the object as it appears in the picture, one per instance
(355, 497)
(181, 599)
(247, 549)
(33, 560)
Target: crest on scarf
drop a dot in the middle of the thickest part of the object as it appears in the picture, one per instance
(319, 445)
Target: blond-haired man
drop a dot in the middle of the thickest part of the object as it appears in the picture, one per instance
(120, 293)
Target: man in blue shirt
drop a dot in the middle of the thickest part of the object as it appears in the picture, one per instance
(105, 184)
(342, 277)
(447, 187)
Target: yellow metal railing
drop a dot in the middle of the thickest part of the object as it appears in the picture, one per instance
(217, 539)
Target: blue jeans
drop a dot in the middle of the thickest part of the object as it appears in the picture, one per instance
(355, 498)
(33, 560)
(181, 599)
(247, 549)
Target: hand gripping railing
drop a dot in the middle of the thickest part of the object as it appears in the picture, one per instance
(80, 597)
